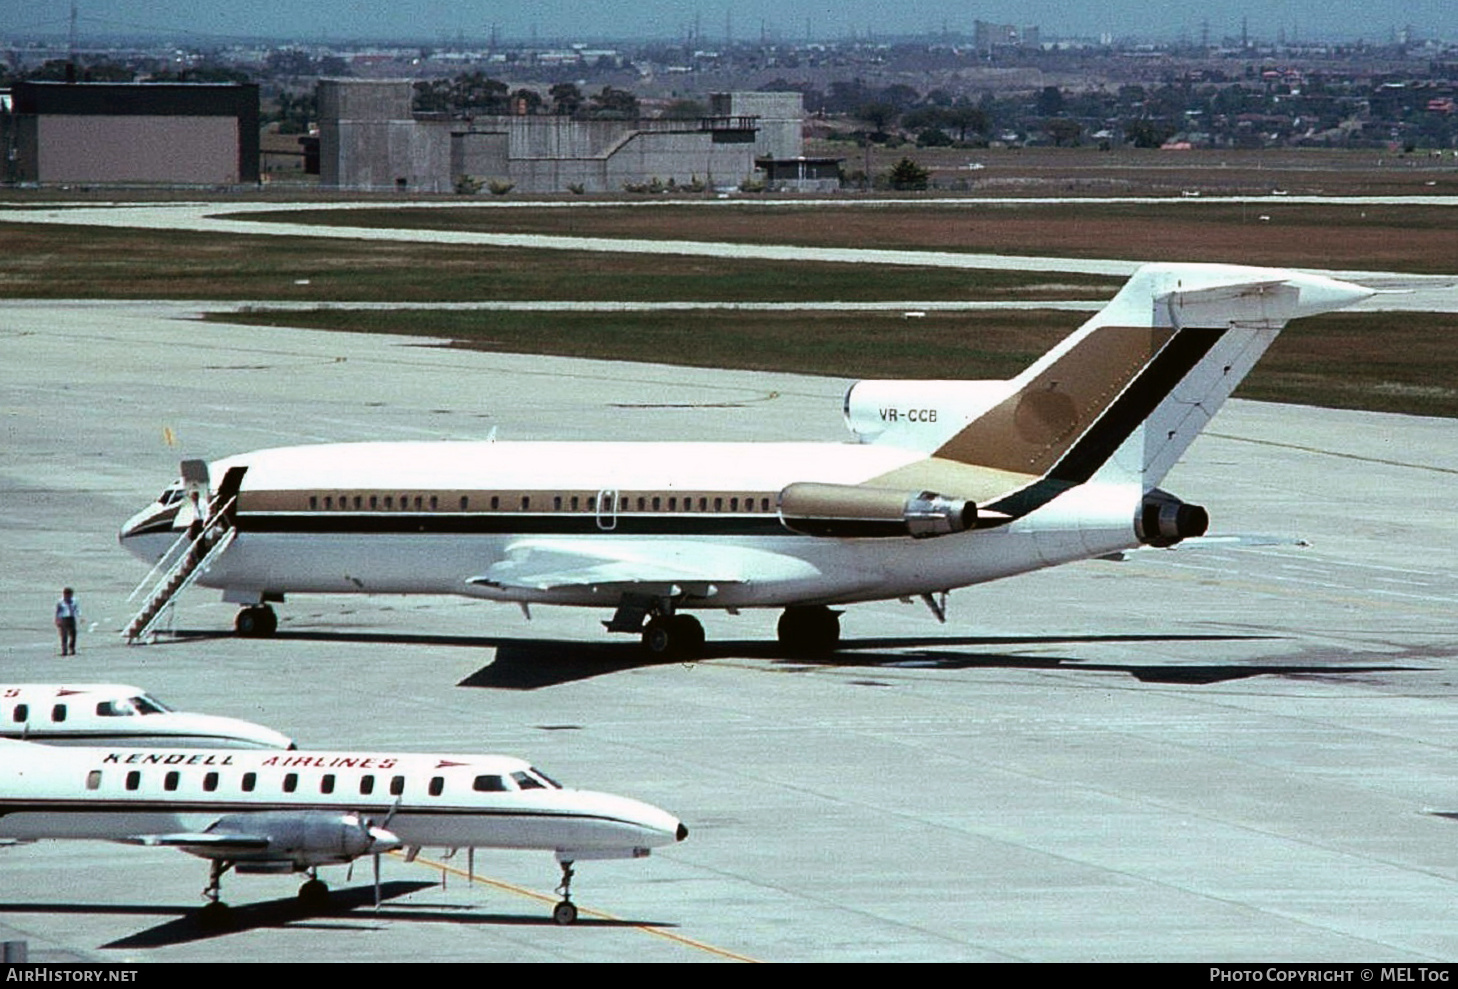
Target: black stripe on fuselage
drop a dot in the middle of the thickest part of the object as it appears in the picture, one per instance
(505, 523)
(1176, 359)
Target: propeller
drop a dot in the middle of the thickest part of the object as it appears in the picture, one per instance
(378, 835)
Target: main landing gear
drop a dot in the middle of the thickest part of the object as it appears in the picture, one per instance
(216, 915)
(257, 621)
(565, 912)
(673, 635)
(809, 630)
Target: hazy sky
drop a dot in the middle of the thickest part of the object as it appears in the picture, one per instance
(435, 20)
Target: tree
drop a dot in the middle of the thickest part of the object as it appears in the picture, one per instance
(1064, 131)
(614, 104)
(908, 176)
(879, 116)
(566, 99)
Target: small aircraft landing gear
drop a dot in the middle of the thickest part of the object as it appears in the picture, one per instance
(257, 621)
(215, 914)
(565, 913)
(673, 635)
(314, 893)
(812, 630)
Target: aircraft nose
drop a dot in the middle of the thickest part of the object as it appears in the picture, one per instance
(682, 831)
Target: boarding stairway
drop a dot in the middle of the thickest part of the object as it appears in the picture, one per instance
(185, 561)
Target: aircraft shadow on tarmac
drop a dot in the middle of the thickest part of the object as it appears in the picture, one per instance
(531, 664)
(348, 909)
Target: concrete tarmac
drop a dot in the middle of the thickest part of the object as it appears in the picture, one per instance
(1196, 755)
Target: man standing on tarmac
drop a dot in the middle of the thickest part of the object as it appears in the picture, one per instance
(68, 613)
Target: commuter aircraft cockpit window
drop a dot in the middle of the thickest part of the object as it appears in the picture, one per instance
(534, 779)
(143, 704)
(174, 493)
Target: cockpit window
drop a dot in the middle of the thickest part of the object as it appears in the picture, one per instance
(534, 780)
(551, 783)
(172, 495)
(489, 784)
(147, 704)
(115, 709)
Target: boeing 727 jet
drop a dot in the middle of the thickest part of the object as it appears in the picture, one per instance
(948, 484)
(270, 812)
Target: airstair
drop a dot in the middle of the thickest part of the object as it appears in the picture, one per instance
(185, 561)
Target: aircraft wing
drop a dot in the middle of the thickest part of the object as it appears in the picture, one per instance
(649, 566)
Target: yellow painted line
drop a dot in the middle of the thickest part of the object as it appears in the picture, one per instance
(581, 910)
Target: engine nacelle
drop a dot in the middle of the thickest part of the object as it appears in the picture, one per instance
(845, 510)
(1164, 520)
(915, 412)
(295, 840)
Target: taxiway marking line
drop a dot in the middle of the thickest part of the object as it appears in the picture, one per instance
(533, 894)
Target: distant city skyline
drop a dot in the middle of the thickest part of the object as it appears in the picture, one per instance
(441, 21)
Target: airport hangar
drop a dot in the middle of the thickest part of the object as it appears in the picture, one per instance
(1239, 754)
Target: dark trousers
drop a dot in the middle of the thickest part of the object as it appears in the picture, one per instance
(68, 634)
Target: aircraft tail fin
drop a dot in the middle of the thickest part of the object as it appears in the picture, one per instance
(1127, 393)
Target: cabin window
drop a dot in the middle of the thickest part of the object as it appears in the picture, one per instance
(250, 782)
(489, 784)
(466, 503)
(557, 503)
(93, 780)
(657, 503)
(433, 502)
(358, 502)
(291, 782)
(495, 502)
(673, 504)
(170, 781)
(58, 713)
(374, 502)
(134, 779)
(642, 503)
(703, 504)
(764, 504)
(718, 504)
(210, 782)
(526, 503)
(326, 783)
(575, 503)
(437, 785)
(420, 502)
(397, 785)
(366, 785)
(389, 502)
(21, 713)
(734, 504)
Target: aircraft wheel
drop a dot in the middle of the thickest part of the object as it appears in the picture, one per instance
(314, 894)
(256, 622)
(564, 913)
(810, 631)
(689, 633)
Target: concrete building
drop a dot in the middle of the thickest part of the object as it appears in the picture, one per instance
(154, 133)
(370, 139)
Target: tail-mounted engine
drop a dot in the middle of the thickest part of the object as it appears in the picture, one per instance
(845, 510)
(1164, 520)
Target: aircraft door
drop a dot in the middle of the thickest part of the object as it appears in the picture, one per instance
(607, 509)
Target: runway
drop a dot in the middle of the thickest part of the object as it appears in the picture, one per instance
(1191, 756)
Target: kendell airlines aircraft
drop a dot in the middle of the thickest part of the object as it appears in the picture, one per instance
(949, 483)
(115, 714)
(272, 812)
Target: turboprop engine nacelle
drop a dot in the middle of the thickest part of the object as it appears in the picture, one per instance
(1163, 520)
(848, 511)
(307, 838)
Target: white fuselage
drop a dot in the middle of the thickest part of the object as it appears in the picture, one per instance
(175, 797)
(117, 714)
(427, 517)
